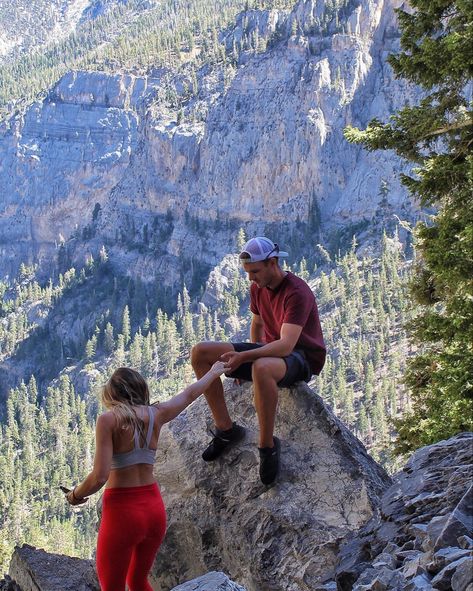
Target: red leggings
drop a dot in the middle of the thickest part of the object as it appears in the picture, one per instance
(131, 530)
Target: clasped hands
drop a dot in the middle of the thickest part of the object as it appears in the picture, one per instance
(227, 363)
(232, 361)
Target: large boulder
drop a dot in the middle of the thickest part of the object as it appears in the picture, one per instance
(221, 517)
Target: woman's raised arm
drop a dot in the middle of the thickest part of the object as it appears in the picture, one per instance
(166, 411)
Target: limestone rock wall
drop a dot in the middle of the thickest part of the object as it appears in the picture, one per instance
(104, 159)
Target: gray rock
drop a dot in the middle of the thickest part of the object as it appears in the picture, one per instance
(445, 530)
(385, 559)
(378, 579)
(447, 555)
(7, 584)
(407, 555)
(427, 506)
(443, 580)
(354, 558)
(465, 542)
(37, 570)
(222, 518)
(434, 531)
(392, 548)
(462, 578)
(419, 583)
(418, 531)
(330, 586)
(413, 567)
(213, 581)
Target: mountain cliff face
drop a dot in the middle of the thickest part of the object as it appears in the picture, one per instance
(163, 175)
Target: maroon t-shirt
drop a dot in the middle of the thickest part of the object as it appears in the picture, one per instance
(292, 302)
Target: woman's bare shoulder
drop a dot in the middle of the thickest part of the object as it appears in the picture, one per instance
(107, 419)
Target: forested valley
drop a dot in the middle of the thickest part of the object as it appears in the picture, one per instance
(47, 435)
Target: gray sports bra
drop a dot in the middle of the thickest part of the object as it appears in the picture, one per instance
(138, 455)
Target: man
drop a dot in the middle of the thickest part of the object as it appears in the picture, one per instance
(286, 346)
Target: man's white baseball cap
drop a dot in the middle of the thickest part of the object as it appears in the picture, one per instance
(260, 249)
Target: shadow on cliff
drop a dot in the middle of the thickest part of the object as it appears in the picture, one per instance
(95, 296)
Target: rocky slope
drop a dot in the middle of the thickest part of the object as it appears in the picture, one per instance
(422, 538)
(164, 176)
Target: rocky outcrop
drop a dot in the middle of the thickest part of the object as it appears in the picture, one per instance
(287, 537)
(160, 175)
(36, 570)
(32, 569)
(283, 538)
(422, 536)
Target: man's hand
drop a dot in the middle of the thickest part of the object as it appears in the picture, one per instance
(232, 360)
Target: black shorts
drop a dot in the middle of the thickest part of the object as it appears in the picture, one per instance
(297, 366)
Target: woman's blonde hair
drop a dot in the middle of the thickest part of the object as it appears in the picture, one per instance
(125, 389)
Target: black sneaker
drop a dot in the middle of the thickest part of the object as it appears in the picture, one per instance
(222, 440)
(269, 462)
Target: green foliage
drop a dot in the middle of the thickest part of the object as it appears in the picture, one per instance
(437, 135)
(363, 308)
(43, 445)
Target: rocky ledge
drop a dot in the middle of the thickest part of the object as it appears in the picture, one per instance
(32, 569)
(36, 570)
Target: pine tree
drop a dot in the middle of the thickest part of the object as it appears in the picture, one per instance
(91, 347)
(241, 239)
(109, 341)
(126, 328)
(437, 136)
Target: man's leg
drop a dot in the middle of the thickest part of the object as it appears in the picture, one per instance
(203, 356)
(267, 372)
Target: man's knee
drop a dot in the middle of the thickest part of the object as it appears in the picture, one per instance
(208, 352)
(264, 369)
(199, 353)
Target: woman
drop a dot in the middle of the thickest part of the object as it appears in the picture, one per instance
(133, 515)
